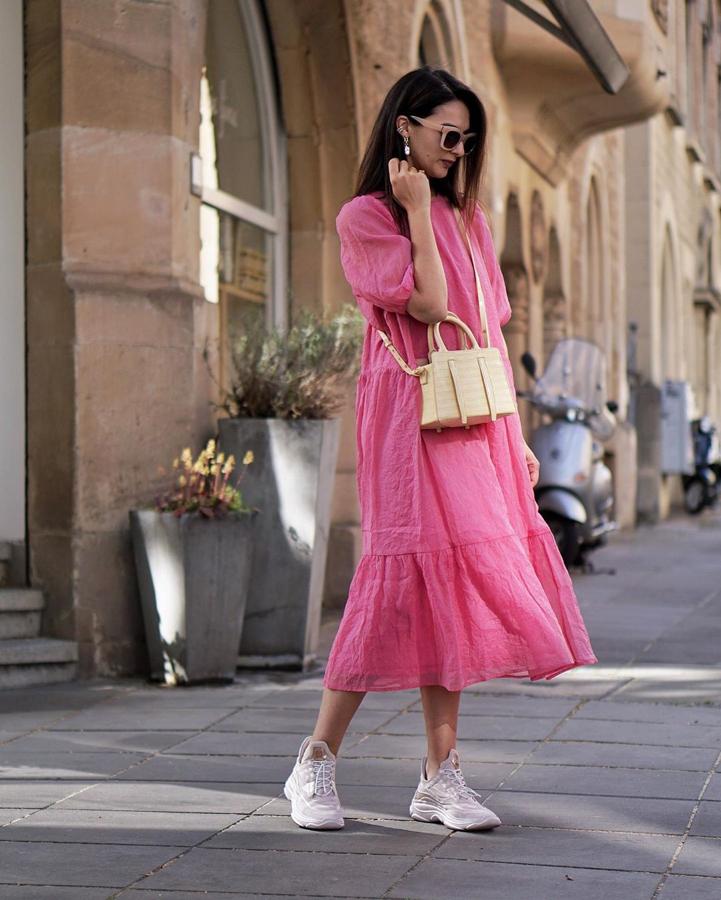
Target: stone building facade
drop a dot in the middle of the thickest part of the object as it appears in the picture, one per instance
(165, 143)
(673, 235)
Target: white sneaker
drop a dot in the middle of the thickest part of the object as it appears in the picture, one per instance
(310, 787)
(446, 798)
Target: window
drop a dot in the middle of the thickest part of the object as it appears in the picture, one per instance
(435, 48)
(243, 224)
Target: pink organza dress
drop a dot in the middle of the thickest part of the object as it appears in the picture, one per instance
(460, 579)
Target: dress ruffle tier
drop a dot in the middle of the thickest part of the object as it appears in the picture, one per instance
(496, 608)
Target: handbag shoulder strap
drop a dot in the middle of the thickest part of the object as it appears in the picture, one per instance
(485, 336)
(396, 355)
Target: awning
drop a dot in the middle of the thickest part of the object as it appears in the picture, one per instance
(578, 26)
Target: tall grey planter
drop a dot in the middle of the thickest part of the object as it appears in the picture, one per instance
(291, 483)
(193, 578)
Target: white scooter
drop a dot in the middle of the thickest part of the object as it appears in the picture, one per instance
(575, 491)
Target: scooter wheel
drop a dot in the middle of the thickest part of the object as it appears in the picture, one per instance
(695, 496)
(566, 533)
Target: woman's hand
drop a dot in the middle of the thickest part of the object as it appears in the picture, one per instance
(410, 186)
(534, 467)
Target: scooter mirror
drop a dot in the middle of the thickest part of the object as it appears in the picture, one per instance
(529, 363)
(612, 406)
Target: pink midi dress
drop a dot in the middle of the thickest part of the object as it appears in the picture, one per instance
(460, 579)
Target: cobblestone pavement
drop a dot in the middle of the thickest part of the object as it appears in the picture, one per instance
(606, 778)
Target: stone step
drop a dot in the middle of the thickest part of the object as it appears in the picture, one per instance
(30, 651)
(20, 612)
(5, 557)
(37, 660)
(20, 600)
(13, 676)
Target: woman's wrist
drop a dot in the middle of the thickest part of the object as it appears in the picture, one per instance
(419, 212)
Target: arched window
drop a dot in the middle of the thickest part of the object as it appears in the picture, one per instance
(436, 46)
(240, 175)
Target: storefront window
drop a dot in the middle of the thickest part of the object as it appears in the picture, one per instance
(242, 153)
(233, 108)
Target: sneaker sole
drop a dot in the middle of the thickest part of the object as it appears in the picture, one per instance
(309, 823)
(428, 813)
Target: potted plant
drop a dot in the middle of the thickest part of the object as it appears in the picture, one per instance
(286, 390)
(193, 557)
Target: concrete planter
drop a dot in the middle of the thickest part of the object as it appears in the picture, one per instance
(291, 483)
(193, 577)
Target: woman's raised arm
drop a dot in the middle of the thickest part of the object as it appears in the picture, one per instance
(411, 188)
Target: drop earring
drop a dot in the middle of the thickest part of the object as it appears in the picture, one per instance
(407, 147)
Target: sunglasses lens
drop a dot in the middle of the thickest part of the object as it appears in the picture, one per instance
(451, 139)
(469, 144)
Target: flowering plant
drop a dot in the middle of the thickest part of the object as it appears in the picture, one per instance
(203, 486)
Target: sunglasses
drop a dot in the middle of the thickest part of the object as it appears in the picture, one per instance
(450, 136)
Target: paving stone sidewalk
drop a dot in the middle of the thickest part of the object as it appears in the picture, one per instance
(607, 778)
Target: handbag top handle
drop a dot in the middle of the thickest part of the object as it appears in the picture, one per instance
(452, 317)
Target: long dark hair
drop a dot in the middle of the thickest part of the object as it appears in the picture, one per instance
(418, 93)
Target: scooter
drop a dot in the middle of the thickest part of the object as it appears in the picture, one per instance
(701, 487)
(574, 491)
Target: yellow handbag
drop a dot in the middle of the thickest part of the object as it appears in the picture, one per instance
(460, 387)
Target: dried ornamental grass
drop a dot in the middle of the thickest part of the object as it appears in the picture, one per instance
(300, 373)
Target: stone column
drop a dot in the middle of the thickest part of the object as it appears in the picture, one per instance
(116, 383)
(516, 332)
(12, 308)
(554, 322)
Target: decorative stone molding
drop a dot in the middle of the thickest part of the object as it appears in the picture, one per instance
(554, 321)
(539, 238)
(660, 11)
(555, 102)
(90, 281)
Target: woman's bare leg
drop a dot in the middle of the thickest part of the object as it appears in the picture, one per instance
(440, 710)
(337, 708)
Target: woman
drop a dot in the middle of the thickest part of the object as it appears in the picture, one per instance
(460, 579)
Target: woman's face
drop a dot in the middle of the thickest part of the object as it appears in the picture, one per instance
(425, 143)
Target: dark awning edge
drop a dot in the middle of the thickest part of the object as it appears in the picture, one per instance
(579, 28)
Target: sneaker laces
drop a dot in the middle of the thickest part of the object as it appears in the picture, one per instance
(454, 779)
(323, 771)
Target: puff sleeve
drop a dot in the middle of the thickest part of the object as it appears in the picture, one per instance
(500, 295)
(376, 258)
